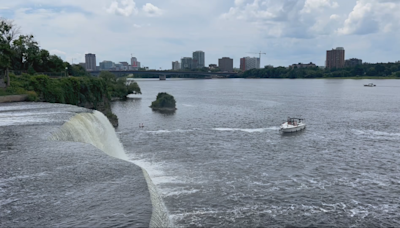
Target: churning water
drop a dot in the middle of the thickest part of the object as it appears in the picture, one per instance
(220, 160)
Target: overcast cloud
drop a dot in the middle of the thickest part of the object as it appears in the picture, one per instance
(161, 31)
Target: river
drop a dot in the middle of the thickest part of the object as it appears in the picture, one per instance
(220, 160)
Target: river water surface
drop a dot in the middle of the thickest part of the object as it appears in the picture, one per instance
(220, 160)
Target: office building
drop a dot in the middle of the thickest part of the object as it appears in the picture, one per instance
(90, 62)
(225, 64)
(248, 63)
(353, 62)
(198, 59)
(176, 65)
(186, 63)
(107, 65)
(335, 58)
(135, 64)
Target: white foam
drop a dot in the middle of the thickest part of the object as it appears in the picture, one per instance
(21, 118)
(255, 130)
(156, 171)
(188, 105)
(181, 192)
(94, 129)
(159, 132)
(375, 133)
(168, 131)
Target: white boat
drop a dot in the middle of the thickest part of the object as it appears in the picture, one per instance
(293, 125)
(370, 85)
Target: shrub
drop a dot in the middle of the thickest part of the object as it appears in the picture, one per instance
(32, 96)
(164, 100)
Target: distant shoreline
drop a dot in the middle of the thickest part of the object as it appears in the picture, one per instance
(353, 78)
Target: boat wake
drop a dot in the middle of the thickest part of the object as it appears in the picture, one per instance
(255, 130)
(373, 133)
(169, 131)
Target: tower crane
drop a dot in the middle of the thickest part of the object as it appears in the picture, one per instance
(261, 53)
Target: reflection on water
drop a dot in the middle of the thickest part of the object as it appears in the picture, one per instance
(165, 112)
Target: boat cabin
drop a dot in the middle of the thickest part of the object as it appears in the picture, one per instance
(294, 121)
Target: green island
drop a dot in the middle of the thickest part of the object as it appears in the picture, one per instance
(164, 102)
(59, 81)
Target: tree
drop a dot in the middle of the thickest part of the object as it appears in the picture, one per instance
(8, 33)
(108, 77)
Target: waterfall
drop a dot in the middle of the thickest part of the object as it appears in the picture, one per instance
(95, 129)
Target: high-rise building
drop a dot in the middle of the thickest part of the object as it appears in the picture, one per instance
(198, 59)
(243, 64)
(248, 63)
(335, 58)
(353, 62)
(90, 62)
(186, 63)
(135, 64)
(106, 65)
(176, 65)
(225, 64)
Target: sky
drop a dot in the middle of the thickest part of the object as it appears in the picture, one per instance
(158, 32)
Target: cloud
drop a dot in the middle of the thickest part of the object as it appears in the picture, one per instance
(239, 2)
(372, 16)
(57, 52)
(334, 17)
(285, 18)
(151, 10)
(312, 5)
(124, 7)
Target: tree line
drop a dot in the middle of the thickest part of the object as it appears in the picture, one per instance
(363, 70)
(22, 53)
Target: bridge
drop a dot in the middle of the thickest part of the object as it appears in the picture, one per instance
(164, 74)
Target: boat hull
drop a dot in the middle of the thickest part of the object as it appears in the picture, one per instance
(289, 128)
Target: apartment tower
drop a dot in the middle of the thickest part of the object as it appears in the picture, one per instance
(176, 65)
(198, 59)
(335, 58)
(248, 63)
(90, 62)
(225, 64)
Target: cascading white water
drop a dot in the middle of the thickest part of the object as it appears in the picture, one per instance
(95, 129)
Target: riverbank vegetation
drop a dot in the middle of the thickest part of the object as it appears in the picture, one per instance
(366, 70)
(21, 59)
(164, 102)
(88, 92)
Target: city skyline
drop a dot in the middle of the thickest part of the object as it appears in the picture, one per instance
(288, 31)
(335, 58)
